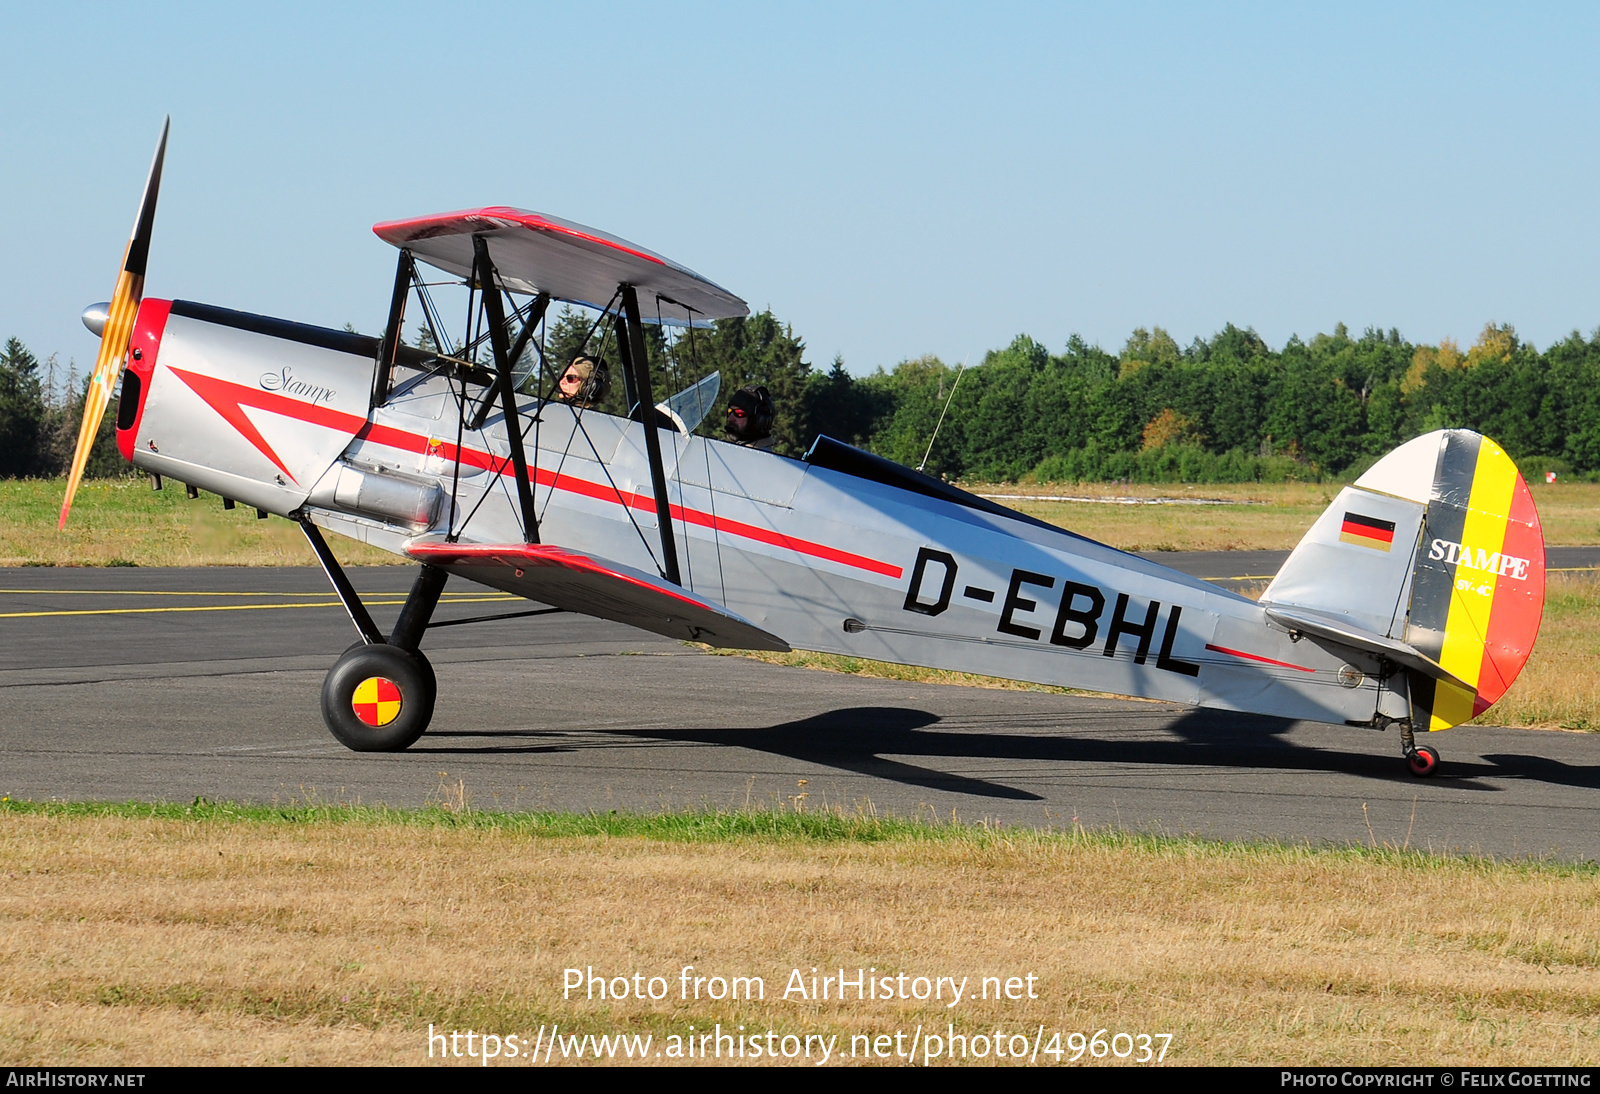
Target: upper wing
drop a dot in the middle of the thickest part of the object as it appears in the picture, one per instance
(537, 253)
(596, 586)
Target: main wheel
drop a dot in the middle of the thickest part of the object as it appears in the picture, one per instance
(1423, 761)
(378, 698)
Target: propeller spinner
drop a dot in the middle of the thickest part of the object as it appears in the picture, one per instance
(117, 325)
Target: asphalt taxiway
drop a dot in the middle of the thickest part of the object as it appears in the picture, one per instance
(155, 684)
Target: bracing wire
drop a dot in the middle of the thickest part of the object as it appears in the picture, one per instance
(561, 465)
(435, 325)
(498, 470)
(476, 318)
(538, 413)
(454, 533)
(626, 508)
(942, 413)
(705, 448)
(472, 342)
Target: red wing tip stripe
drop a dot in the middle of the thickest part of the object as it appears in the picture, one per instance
(399, 232)
(1258, 657)
(536, 556)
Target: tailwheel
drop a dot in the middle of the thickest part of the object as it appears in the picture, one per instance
(1423, 761)
(378, 697)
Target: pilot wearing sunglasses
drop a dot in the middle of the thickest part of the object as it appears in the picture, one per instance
(584, 383)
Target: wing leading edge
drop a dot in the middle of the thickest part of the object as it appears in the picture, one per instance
(596, 586)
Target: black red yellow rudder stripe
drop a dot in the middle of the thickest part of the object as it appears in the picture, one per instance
(1477, 589)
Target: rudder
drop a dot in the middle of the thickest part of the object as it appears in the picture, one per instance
(1477, 592)
(1436, 552)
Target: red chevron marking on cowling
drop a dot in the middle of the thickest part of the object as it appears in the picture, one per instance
(229, 400)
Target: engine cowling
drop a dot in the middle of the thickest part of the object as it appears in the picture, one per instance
(246, 406)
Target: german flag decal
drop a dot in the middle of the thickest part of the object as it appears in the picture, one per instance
(376, 701)
(1478, 586)
(1367, 531)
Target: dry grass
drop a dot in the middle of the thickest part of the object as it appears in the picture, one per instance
(1568, 512)
(1258, 516)
(1262, 516)
(336, 937)
(123, 520)
(118, 522)
(1560, 686)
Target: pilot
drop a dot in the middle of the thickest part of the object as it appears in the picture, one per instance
(750, 413)
(585, 382)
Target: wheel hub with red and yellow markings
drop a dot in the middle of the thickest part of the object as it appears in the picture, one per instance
(376, 701)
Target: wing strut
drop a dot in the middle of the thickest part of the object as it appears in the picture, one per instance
(370, 634)
(493, 305)
(636, 364)
(415, 615)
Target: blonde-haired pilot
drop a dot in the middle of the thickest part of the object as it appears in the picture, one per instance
(585, 382)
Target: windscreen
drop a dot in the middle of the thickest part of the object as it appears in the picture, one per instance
(693, 403)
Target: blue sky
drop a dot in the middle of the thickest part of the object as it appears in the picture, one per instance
(893, 180)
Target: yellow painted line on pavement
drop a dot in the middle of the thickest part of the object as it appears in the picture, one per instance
(179, 592)
(229, 607)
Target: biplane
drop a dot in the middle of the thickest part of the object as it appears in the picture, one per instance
(1412, 602)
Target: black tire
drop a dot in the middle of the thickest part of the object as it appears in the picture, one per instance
(422, 660)
(428, 674)
(399, 678)
(1423, 762)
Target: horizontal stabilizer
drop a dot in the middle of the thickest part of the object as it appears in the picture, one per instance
(596, 586)
(1339, 629)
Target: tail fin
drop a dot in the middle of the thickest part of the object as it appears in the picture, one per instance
(1435, 556)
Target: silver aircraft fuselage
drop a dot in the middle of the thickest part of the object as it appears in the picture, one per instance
(837, 553)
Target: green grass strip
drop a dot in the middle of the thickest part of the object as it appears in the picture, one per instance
(785, 827)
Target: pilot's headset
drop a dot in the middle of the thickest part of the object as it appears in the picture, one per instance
(750, 412)
(596, 380)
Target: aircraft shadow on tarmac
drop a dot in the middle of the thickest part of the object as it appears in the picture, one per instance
(1545, 770)
(874, 741)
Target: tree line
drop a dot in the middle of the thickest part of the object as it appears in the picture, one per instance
(41, 408)
(1231, 408)
(1225, 409)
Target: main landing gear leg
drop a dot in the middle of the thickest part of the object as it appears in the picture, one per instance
(1422, 760)
(379, 695)
(415, 617)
